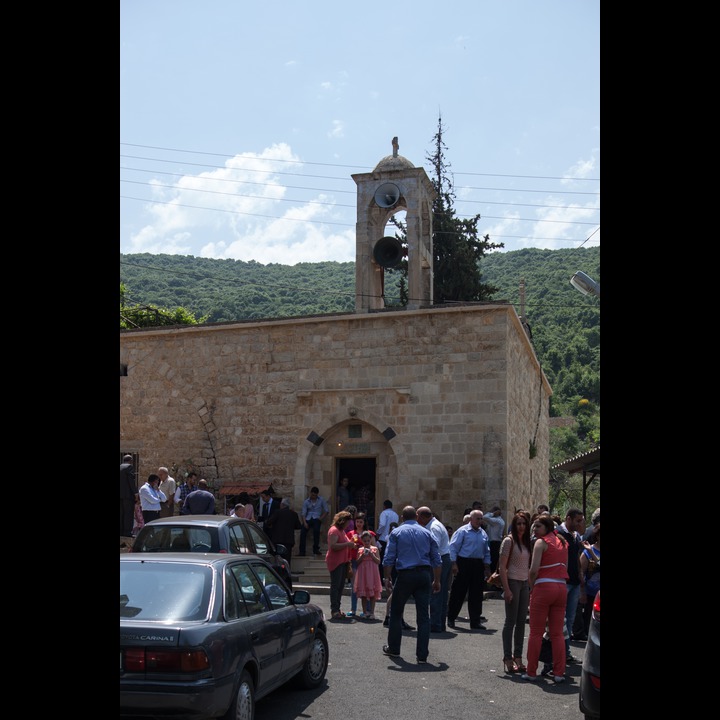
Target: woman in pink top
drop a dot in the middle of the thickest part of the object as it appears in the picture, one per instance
(514, 566)
(548, 596)
(249, 511)
(337, 558)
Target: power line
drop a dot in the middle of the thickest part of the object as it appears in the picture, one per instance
(360, 167)
(325, 222)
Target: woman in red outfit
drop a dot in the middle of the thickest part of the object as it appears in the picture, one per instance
(336, 559)
(548, 596)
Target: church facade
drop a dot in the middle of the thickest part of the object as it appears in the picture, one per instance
(432, 405)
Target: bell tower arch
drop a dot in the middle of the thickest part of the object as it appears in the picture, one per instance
(395, 184)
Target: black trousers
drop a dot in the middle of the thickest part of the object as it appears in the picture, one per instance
(149, 515)
(494, 554)
(470, 581)
(127, 510)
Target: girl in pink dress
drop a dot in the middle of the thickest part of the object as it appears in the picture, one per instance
(367, 583)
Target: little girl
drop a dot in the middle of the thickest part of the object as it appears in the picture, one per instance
(138, 520)
(368, 585)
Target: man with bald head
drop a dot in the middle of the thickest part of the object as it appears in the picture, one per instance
(438, 601)
(414, 553)
(470, 556)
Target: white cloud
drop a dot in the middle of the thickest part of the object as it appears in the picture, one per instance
(338, 129)
(238, 211)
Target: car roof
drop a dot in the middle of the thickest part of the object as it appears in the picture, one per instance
(190, 557)
(198, 520)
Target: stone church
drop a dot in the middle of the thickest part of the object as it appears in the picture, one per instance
(429, 404)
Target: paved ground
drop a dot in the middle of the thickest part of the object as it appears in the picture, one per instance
(464, 677)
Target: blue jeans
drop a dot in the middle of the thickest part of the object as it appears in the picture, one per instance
(439, 601)
(415, 583)
(573, 597)
(314, 525)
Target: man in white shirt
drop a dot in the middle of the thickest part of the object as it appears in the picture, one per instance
(387, 516)
(168, 487)
(438, 601)
(495, 529)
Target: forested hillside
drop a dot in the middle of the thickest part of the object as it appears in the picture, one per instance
(565, 324)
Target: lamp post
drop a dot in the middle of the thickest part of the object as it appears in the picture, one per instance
(585, 284)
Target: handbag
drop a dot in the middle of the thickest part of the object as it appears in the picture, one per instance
(592, 581)
(494, 579)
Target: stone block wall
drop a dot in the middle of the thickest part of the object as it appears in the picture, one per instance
(459, 389)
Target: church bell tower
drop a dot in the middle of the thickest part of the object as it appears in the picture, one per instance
(395, 184)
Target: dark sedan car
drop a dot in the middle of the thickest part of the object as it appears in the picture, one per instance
(207, 635)
(590, 677)
(211, 533)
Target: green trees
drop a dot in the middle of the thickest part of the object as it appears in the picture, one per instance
(137, 316)
(457, 246)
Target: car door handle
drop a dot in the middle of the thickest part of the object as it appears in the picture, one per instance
(254, 636)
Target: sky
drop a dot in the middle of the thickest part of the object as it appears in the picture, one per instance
(241, 123)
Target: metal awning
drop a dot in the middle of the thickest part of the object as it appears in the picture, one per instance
(587, 463)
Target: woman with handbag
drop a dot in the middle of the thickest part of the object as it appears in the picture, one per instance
(337, 560)
(513, 566)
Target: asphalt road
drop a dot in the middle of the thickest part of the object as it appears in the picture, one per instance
(464, 678)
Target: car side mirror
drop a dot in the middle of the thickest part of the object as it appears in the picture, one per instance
(301, 597)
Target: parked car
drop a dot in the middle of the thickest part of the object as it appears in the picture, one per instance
(211, 533)
(207, 635)
(590, 677)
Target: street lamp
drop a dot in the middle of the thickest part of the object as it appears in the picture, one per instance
(585, 284)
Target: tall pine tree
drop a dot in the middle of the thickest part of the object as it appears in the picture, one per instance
(457, 247)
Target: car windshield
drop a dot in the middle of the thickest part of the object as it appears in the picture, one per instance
(164, 592)
(168, 538)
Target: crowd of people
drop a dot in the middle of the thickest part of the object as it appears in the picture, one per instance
(549, 567)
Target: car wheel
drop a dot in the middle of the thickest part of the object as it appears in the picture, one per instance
(315, 667)
(244, 706)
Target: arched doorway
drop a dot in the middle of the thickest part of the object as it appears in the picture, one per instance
(361, 472)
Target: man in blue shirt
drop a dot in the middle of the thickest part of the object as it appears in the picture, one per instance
(438, 601)
(470, 555)
(414, 553)
(314, 510)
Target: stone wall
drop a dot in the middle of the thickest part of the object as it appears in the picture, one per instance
(448, 400)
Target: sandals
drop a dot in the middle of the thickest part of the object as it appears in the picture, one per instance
(510, 665)
(370, 617)
(519, 664)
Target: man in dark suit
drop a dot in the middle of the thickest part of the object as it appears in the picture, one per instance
(200, 501)
(128, 490)
(282, 524)
(266, 507)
